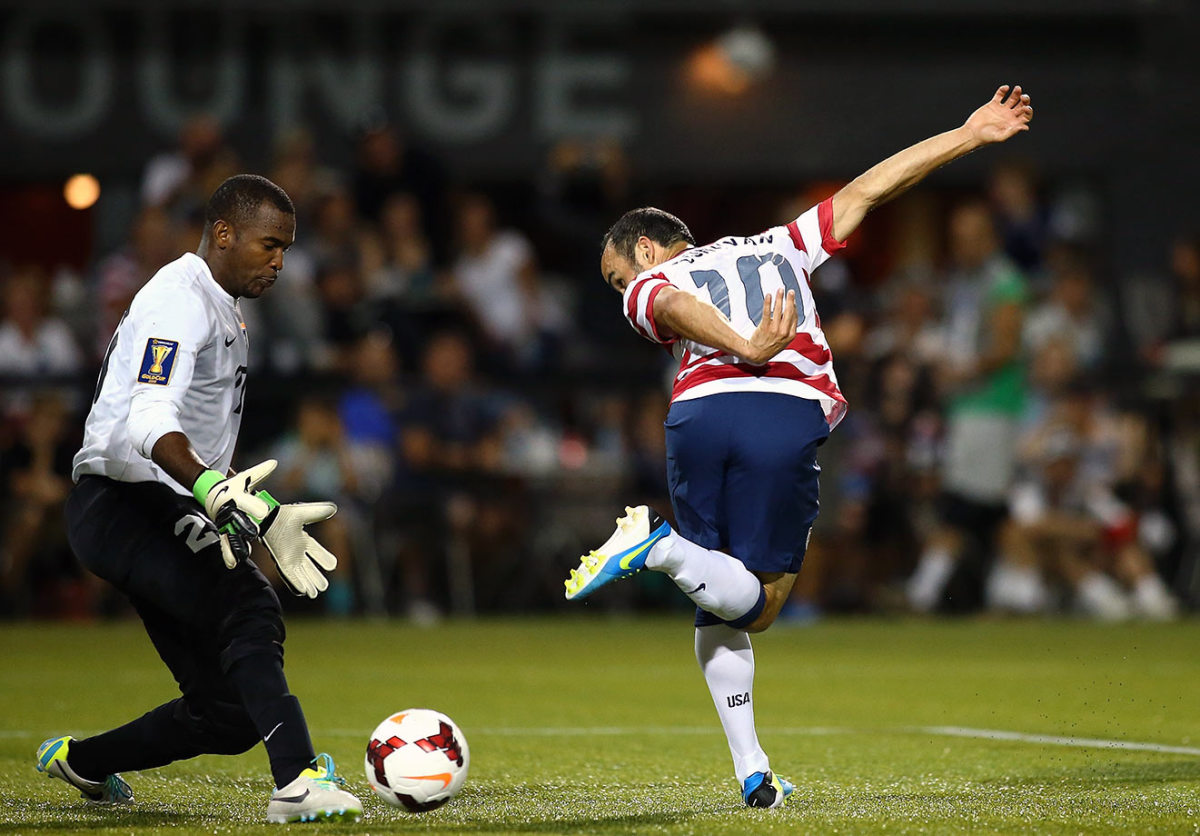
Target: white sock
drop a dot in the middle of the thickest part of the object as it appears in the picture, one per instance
(1015, 588)
(727, 660)
(716, 582)
(1152, 599)
(1100, 596)
(926, 583)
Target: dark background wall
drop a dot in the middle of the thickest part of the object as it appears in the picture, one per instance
(102, 86)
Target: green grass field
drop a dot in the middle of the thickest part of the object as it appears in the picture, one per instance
(591, 725)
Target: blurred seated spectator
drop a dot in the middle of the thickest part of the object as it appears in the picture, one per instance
(399, 277)
(318, 463)
(152, 243)
(38, 573)
(648, 450)
(346, 313)
(449, 424)
(368, 407)
(398, 262)
(1157, 310)
(33, 344)
(1073, 313)
(388, 163)
(495, 275)
(337, 233)
(296, 169)
(185, 178)
(1069, 526)
(450, 481)
(909, 325)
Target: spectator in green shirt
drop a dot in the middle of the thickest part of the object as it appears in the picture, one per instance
(983, 380)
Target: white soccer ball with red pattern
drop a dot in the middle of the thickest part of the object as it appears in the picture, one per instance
(417, 759)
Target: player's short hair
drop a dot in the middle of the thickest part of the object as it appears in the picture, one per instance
(237, 200)
(659, 226)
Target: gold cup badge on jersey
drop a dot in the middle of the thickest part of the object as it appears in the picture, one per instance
(158, 361)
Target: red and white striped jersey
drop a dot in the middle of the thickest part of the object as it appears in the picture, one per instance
(734, 274)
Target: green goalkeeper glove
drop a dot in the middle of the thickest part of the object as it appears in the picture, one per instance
(231, 503)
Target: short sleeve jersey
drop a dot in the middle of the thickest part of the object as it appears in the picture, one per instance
(735, 273)
(177, 363)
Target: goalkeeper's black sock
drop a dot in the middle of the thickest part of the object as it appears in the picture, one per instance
(276, 714)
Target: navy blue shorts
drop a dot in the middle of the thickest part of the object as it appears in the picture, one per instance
(743, 471)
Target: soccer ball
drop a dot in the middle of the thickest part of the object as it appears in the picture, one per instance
(417, 759)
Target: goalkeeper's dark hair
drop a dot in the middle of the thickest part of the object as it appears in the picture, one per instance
(237, 200)
(659, 226)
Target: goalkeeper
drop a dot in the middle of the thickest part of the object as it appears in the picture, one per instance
(157, 512)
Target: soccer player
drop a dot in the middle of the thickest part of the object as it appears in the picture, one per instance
(157, 512)
(754, 397)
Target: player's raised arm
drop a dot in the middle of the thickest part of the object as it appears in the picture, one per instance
(1008, 113)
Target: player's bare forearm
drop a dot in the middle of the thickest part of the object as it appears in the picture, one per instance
(175, 454)
(694, 319)
(895, 175)
(1007, 114)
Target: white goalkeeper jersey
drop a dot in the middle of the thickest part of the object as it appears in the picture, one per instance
(177, 363)
(734, 274)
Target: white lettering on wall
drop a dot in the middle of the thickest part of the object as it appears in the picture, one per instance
(161, 105)
(95, 73)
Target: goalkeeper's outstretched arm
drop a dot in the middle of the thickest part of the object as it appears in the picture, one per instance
(1008, 113)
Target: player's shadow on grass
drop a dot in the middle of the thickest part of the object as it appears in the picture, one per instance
(1109, 772)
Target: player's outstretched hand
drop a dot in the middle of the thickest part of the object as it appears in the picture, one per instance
(298, 556)
(776, 329)
(1009, 112)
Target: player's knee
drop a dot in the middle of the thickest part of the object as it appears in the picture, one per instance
(761, 623)
(217, 726)
(771, 607)
(230, 728)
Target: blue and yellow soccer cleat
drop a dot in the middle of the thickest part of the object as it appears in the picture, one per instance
(52, 760)
(766, 789)
(317, 794)
(622, 555)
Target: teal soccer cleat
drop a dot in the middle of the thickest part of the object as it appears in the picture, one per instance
(52, 760)
(623, 554)
(766, 789)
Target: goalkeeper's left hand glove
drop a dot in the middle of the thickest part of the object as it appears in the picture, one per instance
(231, 503)
(298, 556)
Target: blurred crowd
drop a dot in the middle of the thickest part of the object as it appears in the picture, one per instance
(443, 360)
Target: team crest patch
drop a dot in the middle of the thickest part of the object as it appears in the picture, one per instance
(158, 361)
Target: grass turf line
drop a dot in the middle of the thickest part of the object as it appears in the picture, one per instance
(863, 685)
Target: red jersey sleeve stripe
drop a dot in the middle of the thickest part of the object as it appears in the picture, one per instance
(825, 219)
(794, 231)
(654, 291)
(631, 309)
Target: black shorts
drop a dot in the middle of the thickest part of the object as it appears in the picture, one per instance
(161, 550)
(971, 517)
